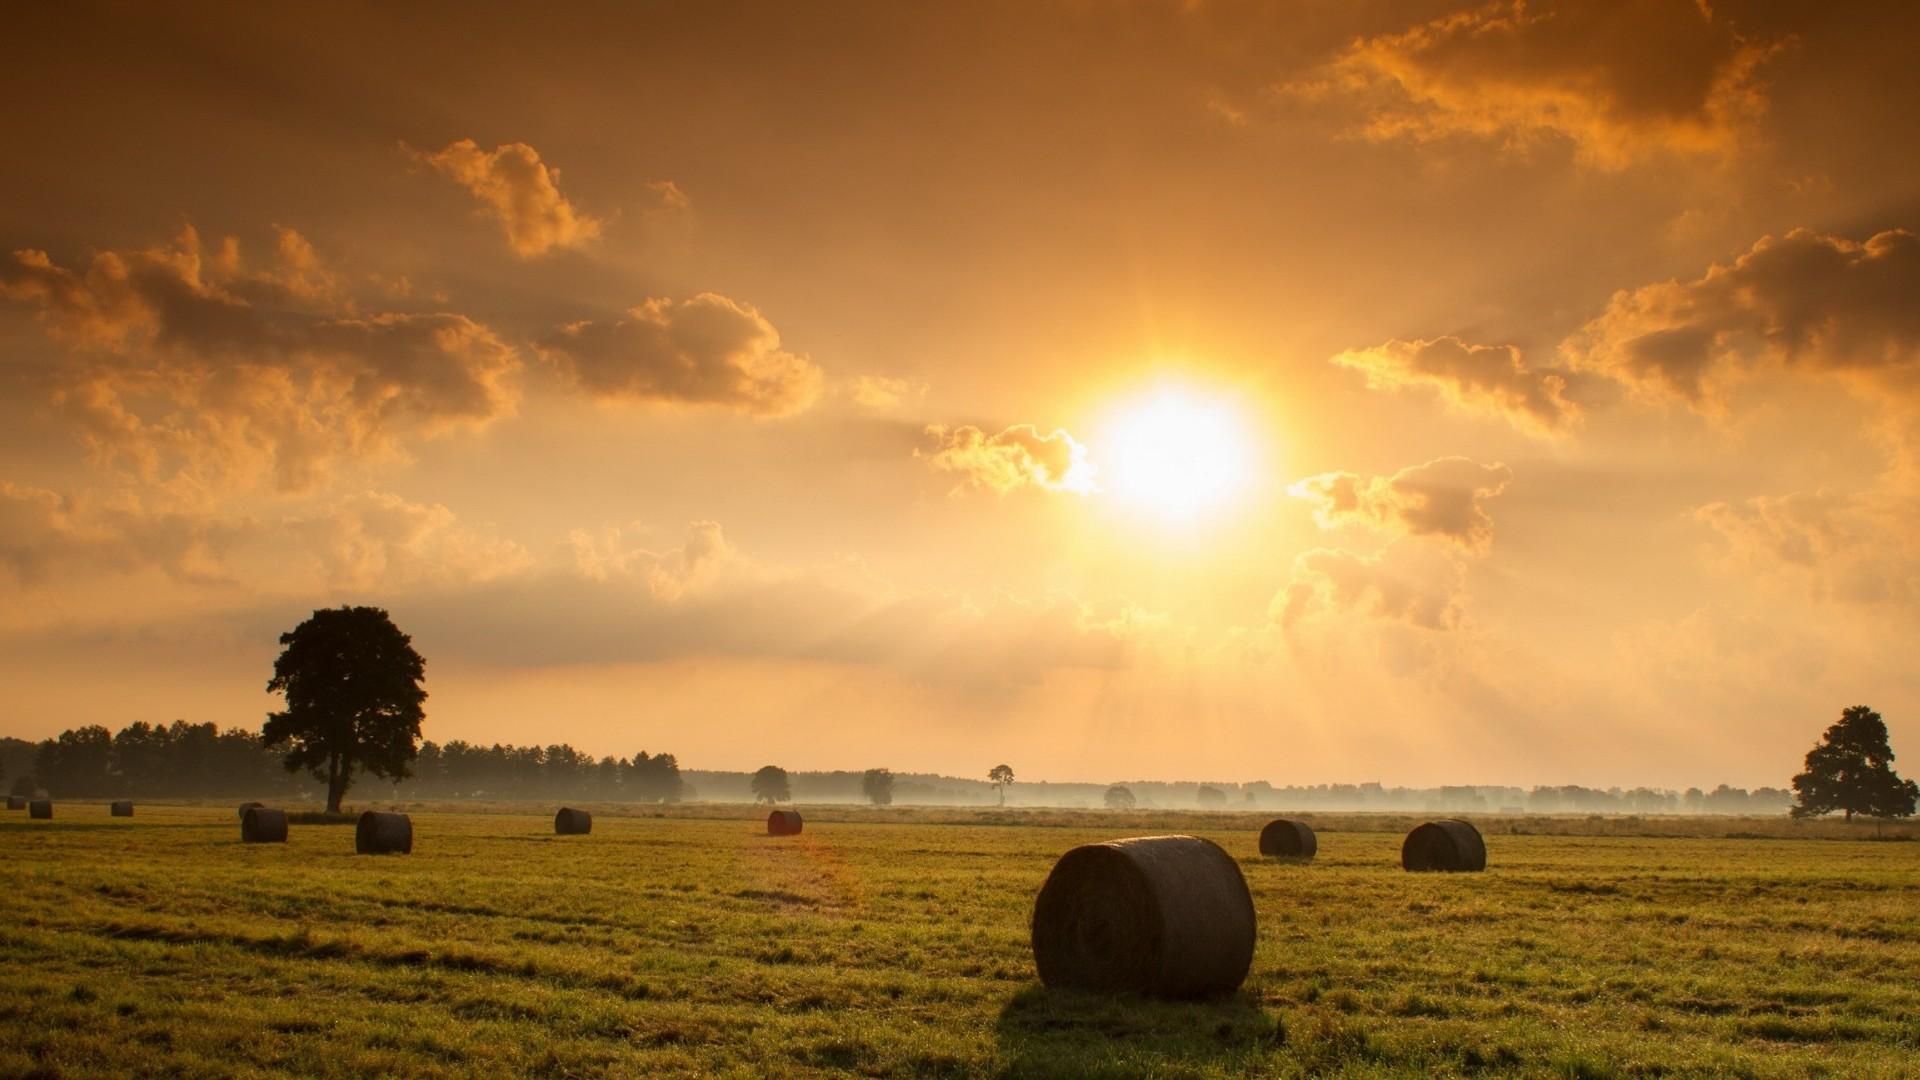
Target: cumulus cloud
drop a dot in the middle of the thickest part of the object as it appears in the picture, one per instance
(198, 370)
(1588, 73)
(1853, 548)
(380, 540)
(1444, 498)
(1491, 379)
(707, 350)
(1807, 300)
(48, 536)
(522, 193)
(1392, 585)
(1019, 456)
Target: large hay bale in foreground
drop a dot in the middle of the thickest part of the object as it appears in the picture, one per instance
(783, 823)
(123, 808)
(1449, 844)
(263, 825)
(571, 822)
(383, 834)
(16, 802)
(1168, 916)
(40, 808)
(1289, 839)
(246, 806)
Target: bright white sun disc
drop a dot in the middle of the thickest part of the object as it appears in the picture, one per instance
(1176, 454)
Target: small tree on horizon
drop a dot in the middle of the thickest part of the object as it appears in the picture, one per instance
(1210, 797)
(352, 685)
(1851, 770)
(1119, 798)
(1001, 777)
(770, 785)
(877, 786)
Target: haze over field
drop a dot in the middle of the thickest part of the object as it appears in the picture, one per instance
(1418, 392)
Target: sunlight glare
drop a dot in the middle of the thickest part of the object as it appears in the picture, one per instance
(1177, 454)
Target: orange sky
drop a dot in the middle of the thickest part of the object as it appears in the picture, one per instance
(1416, 392)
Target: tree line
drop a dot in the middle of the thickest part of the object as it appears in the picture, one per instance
(183, 760)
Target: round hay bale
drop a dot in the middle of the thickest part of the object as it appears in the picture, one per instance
(1449, 844)
(40, 808)
(383, 834)
(246, 806)
(1288, 838)
(783, 823)
(263, 825)
(571, 822)
(1168, 916)
(123, 808)
(16, 802)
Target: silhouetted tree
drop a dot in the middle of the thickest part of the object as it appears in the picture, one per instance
(657, 778)
(877, 786)
(1210, 797)
(1851, 770)
(1001, 777)
(1119, 798)
(352, 684)
(770, 785)
(78, 762)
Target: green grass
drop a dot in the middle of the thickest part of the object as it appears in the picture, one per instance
(894, 944)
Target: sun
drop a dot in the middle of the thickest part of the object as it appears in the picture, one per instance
(1179, 454)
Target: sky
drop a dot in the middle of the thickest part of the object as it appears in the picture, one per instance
(1415, 392)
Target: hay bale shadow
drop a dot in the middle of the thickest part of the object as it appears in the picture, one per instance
(1075, 1033)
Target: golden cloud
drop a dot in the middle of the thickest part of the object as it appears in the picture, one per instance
(1019, 456)
(1491, 379)
(1444, 498)
(1589, 73)
(523, 194)
(200, 372)
(1808, 300)
(49, 536)
(1391, 585)
(707, 350)
(1854, 548)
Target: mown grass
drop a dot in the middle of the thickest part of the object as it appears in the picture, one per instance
(896, 946)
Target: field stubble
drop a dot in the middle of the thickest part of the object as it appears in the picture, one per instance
(894, 943)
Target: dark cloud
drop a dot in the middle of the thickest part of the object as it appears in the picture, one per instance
(1807, 300)
(707, 350)
(1617, 80)
(199, 370)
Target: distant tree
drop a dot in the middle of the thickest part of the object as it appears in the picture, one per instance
(1119, 798)
(770, 785)
(352, 686)
(1210, 797)
(1851, 770)
(877, 786)
(24, 785)
(1001, 777)
(657, 778)
(78, 762)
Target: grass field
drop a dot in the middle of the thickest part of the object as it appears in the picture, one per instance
(894, 944)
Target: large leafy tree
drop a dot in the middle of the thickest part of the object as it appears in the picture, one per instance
(770, 785)
(352, 684)
(1851, 770)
